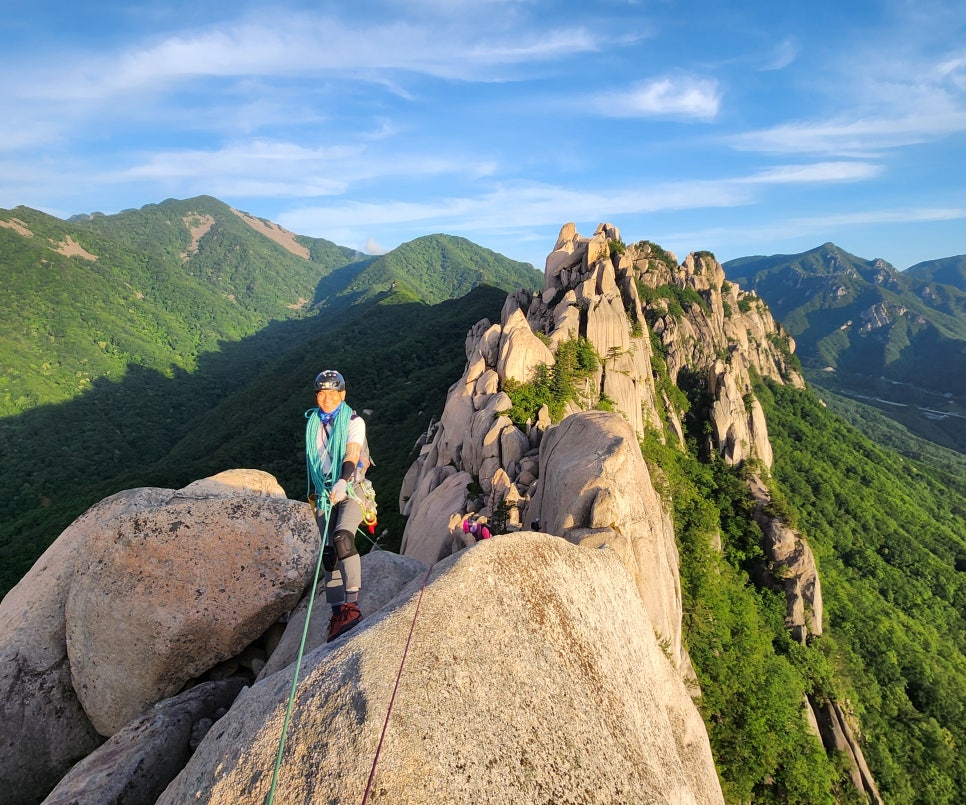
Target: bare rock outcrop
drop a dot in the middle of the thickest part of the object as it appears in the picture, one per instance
(144, 591)
(792, 567)
(428, 530)
(477, 461)
(594, 490)
(593, 291)
(143, 616)
(43, 728)
(838, 735)
(383, 576)
(532, 675)
(138, 762)
(723, 319)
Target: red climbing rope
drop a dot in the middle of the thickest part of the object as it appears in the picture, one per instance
(392, 698)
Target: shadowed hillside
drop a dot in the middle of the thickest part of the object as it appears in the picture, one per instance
(126, 337)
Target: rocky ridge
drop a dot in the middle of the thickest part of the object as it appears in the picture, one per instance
(614, 296)
(707, 333)
(492, 706)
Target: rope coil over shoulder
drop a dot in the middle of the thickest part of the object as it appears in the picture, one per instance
(323, 480)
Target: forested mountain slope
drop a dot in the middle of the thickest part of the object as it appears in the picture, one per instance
(895, 340)
(120, 334)
(434, 268)
(154, 288)
(947, 270)
(890, 538)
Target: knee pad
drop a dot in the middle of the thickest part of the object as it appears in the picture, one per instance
(329, 558)
(345, 544)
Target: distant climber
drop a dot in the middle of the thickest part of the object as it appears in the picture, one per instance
(477, 527)
(335, 437)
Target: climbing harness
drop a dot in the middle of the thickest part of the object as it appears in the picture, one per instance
(327, 508)
(392, 698)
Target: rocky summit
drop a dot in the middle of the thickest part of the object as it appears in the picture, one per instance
(149, 656)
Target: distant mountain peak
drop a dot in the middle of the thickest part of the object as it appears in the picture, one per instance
(906, 353)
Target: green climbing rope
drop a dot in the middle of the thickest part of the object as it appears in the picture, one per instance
(327, 506)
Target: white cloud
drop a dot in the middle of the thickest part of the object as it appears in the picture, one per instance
(372, 247)
(784, 53)
(953, 69)
(888, 216)
(819, 172)
(301, 45)
(531, 204)
(859, 137)
(266, 168)
(667, 96)
(535, 205)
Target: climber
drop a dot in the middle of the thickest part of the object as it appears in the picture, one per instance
(477, 527)
(335, 437)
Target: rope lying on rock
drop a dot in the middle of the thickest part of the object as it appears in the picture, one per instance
(392, 698)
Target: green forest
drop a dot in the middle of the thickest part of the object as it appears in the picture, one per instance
(161, 362)
(889, 535)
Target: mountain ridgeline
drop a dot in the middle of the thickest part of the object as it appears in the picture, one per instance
(165, 345)
(889, 339)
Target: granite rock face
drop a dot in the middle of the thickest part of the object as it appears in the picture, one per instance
(477, 462)
(532, 674)
(145, 590)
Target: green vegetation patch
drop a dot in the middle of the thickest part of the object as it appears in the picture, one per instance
(553, 386)
(753, 677)
(889, 534)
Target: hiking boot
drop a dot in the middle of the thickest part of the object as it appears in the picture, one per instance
(343, 619)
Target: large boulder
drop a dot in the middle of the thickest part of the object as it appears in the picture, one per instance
(173, 590)
(145, 590)
(428, 531)
(520, 350)
(138, 762)
(595, 489)
(526, 670)
(43, 728)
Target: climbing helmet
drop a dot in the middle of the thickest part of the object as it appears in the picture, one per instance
(329, 380)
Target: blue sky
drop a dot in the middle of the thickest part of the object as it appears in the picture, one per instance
(738, 128)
